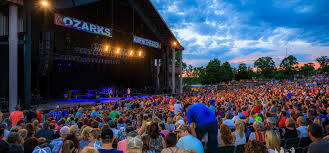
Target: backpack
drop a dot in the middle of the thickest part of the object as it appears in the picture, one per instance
(260, 136)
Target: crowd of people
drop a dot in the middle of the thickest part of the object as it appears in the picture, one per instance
(260, 118)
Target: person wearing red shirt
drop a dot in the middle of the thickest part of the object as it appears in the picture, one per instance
(284, 117)
(16, 116)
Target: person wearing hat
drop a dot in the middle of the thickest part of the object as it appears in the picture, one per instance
(38, 149)
(107, 139)
(134, 142)
(57, 114)
(15, 116)
(57, 143)
(187, 141)
(271, 124)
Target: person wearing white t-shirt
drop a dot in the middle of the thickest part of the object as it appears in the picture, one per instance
(228, 121)
(178, 107)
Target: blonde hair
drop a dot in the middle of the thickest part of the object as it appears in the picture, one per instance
(258, 126)
(290, 123)
(318, 120)
(239, 127)
(74, 129)
(95, 133)
(272, 140)
(22, 133)
(85, 133)
(89, 150)
(35, 124)
(170, 121)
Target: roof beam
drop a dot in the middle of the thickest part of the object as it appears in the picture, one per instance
(146, 20)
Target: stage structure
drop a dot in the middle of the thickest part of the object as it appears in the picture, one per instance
(49, 47)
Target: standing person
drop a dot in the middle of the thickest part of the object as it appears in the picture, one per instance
(107, 139)
(128, 92)
(178, 107)
(187, 141)
(205, 121)
(16, 116)
(57, 143)
(314, 131)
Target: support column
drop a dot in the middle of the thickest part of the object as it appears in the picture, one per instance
(27, 58)
(180, 72)
(13, 57)
(157, 75)
(167, 71)
(173, 72)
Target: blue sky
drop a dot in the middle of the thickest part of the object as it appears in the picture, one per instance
(240, 31)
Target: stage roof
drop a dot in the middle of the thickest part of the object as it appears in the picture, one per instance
(146, 10)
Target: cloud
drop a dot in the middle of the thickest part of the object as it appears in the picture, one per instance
(242, 31)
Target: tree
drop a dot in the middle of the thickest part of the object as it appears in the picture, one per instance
(243, 72)
(288, 65)
(307, 70)
(212, 71)
(198, 75)
(266, 65)
(324, 63)
(189, 74)
(226, 72)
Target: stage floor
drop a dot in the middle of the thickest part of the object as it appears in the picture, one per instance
(67, 103)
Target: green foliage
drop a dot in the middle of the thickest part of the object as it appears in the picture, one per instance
(212, 72)
(266, 65)
(324, 63)
(289, 66)
(226, 73)
(244, 73)
(215, 72)
(307, 70)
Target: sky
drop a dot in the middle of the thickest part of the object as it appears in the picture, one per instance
(241, 31)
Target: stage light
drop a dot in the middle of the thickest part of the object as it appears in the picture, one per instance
(140, 53)
(118, 51)
(44, 3)
(107, 48)
(131, 53)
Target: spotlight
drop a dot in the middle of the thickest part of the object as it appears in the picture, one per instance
(44, 3)
(131, 53)
(140, 53)
(107, 48)
(174, 43)
(118, 51)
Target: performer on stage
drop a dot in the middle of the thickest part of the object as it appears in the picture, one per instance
(128, 92)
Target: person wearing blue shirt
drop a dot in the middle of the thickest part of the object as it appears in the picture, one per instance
(206, 122)
(94, 114)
